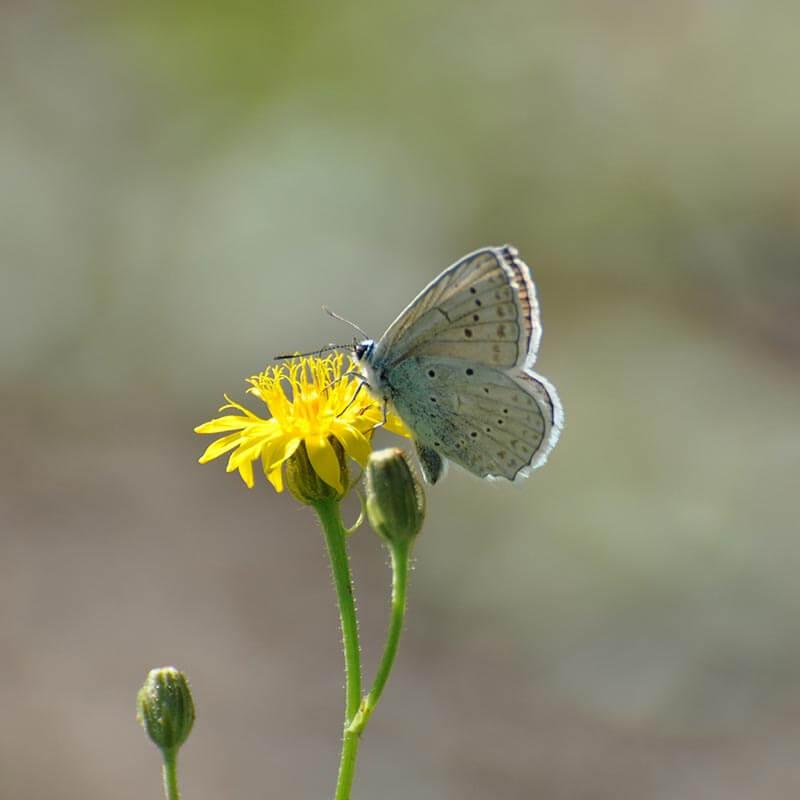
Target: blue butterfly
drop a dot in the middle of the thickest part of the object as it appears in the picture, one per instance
(456, 367)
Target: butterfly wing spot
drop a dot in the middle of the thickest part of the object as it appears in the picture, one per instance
(520, 446)
(468, 333)
(431, 373)
(469, 371)
(497, 353)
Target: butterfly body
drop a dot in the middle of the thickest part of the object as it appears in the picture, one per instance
(455, 367)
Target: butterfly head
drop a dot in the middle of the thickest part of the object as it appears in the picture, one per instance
(364, 356)
(363, 351)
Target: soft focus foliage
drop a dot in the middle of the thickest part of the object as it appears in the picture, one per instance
(184, 186)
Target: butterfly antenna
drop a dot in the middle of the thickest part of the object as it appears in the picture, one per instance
(326, 349)
(342, 319)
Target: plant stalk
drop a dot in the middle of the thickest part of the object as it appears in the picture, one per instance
(170, 773)
(400, 557)
(335, 540)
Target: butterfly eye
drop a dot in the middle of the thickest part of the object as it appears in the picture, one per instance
(362, 349)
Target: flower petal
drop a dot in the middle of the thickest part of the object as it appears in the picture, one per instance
(239, 407)
(248, 450)
(220, 424)
(220, 446)
(277, 453)
(355, 444)
(272, 457)
(246, 471)
(324, 461)
(395, 425)
(276, 477)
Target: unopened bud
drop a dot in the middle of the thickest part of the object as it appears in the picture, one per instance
(165, 708)
(395, 498)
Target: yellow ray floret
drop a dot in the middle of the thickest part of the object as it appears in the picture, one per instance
(311, 400)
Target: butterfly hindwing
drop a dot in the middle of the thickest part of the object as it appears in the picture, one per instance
(483, 309)
(492, 423)
(433, 465)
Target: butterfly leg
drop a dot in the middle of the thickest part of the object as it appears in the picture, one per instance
(361, 385)
(385, 409)
(385, 414)
(350, 374)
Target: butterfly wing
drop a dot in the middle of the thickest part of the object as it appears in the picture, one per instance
(483, 309)
(433, 465)
(456, 366)
(490, 422)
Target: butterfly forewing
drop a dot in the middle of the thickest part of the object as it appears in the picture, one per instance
(482, 309)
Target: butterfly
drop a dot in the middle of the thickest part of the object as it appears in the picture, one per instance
(456, 368)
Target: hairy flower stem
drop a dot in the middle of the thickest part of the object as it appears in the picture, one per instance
(170, 773)
(400, 557)
(335, 536)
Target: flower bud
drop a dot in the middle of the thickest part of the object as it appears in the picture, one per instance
(304, 482)
(395, 499)
(165, 708)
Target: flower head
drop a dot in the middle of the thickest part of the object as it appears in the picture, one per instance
(324, 409)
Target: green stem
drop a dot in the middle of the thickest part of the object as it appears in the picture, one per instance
(170, 772)
(335, 534)
(400, 558)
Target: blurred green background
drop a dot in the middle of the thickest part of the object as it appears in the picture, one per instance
(185, 184)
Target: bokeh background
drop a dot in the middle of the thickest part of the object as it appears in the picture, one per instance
(185, 184)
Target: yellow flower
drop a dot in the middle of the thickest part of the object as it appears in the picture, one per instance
(323, 403)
